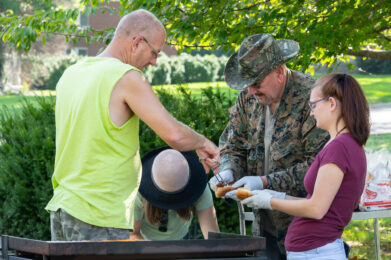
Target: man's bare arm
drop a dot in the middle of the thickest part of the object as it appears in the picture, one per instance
(142, 100)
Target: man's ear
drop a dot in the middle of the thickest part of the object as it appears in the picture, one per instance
(135, 41)
(280, 74)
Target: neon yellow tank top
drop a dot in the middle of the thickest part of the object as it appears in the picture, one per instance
(97, 166)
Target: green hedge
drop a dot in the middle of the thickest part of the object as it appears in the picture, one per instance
(27, 150)
(186, 68)
(374, 66)
(43, 72)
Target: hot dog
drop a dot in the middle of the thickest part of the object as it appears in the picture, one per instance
(243, 193)
(221, 191)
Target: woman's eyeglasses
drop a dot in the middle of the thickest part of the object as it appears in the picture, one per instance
(163, 222)
(312, 103)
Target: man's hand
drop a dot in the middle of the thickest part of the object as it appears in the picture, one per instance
(226, 176)
(259, 200)
(252, 182)
(209, 155)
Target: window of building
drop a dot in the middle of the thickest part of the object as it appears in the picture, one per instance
(82, 19)
(81, 51)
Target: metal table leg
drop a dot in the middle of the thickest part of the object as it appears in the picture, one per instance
(377, 238)
(242, 220)
(4, 247)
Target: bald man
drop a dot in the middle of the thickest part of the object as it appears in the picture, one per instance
(98, 105)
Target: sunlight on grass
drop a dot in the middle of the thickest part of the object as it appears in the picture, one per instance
(378, 142)
(359, 234)
(14, 102)
(376, 88)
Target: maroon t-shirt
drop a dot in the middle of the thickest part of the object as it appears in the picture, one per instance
(306, 233)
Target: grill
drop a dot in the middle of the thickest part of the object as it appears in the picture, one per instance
(219, 245)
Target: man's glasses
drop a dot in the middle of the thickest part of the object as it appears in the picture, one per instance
(154, 51)
(311, 104)
(163, 222)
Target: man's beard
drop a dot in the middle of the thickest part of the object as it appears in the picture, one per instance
(264, 100)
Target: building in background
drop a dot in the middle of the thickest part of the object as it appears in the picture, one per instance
(101, 21)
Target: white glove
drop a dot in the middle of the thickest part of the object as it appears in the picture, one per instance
(226, 176)
(252, 182)
(276, 194)
(259, 200)
(231, 195)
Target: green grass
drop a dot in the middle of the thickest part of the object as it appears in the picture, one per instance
(380, 141)
(14, 102)
(376, 88)
(359, 234)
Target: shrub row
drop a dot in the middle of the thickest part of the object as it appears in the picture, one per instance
(185, 68)
(27, 150)
(374, 66)
(43, 72)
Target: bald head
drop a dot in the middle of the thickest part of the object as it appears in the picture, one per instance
(138, 40)
(139, 22)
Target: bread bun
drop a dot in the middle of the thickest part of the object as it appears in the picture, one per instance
(243, 193)
(221, 191)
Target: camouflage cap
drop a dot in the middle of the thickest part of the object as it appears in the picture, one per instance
(258, 55)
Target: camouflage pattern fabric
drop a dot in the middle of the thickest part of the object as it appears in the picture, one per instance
(295, 142)
(64, 227)
(257, 56)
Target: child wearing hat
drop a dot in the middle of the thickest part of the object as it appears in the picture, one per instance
(172, 190)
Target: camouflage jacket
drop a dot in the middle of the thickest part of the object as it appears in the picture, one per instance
(295, 142)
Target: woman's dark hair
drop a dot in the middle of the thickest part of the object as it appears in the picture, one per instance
(154, 214)
(354, 106)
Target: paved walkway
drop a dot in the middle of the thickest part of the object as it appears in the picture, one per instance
(380, 116)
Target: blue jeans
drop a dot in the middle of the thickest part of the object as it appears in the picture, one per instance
(331, 251)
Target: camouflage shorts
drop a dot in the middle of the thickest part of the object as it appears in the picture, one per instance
(64, 227)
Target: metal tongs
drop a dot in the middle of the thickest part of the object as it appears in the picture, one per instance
(216, 172)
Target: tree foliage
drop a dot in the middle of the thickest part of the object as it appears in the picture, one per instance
(327, 30)
(25, 6)
(19, 7)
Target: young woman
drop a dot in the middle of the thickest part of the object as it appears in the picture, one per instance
(173, 189)
(336, 178)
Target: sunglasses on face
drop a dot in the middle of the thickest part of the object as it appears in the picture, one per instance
(312, 105)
